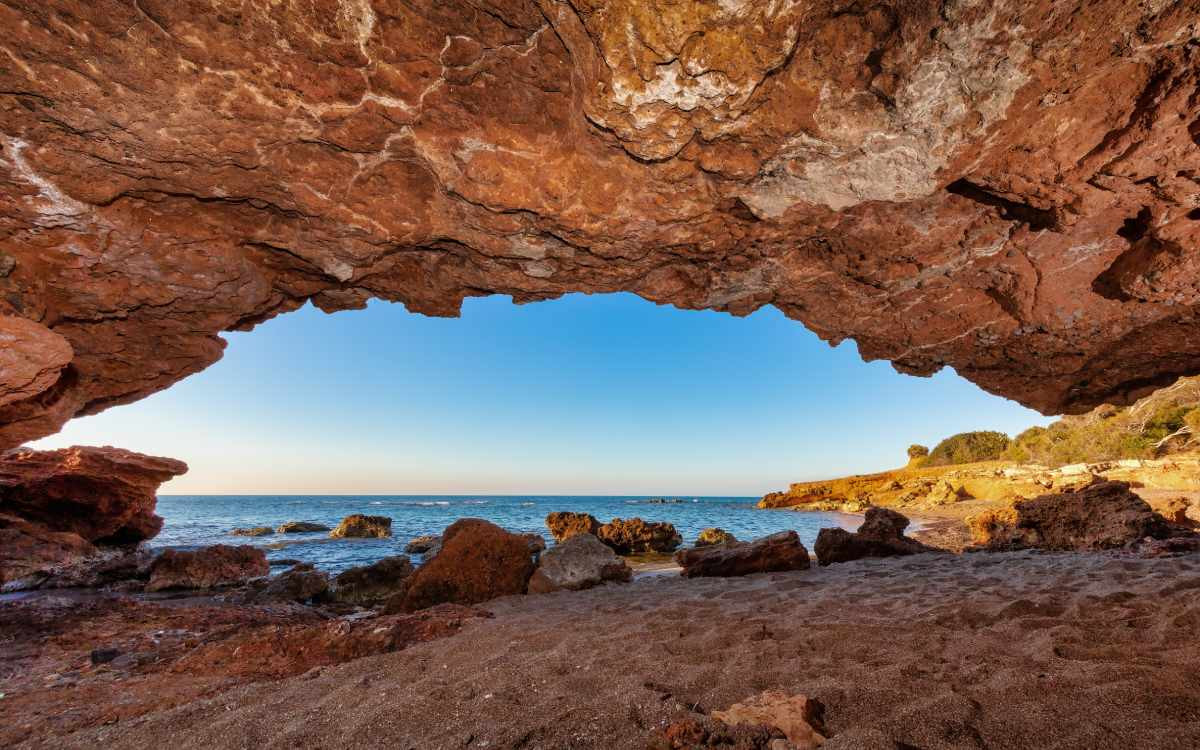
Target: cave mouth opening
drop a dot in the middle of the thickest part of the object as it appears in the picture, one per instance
(582, 394)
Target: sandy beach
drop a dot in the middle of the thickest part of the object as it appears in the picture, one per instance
(1013, 650)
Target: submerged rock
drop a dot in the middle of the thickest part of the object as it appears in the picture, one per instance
(423, 544)
(777, 552)
(714, 535)
(565, 524)
(581, 562)
(638, 537)
(374, 583)
(478, 561)
(360, 526)
(880, 535)
(1101, 515)
(300, 527)
(207, 567)
(253, 531)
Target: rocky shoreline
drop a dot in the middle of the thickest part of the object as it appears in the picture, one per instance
(111, 634)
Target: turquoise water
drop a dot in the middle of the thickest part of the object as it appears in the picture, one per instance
(194, 520)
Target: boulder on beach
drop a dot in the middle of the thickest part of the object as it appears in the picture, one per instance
(777, 552)
(478, 561)
(207, 567)
(1100, 515)
(423, 544)
(370, 584)
(360, 526)
(565, 524)
(300, 583)
(61, 506)
(253, 531)
(637, 537)
(699, 733)
(300, 527)
(880, 535)
(713, 535)
(581, 562)
(800, 718)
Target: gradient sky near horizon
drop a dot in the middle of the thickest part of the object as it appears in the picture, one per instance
(604, 394)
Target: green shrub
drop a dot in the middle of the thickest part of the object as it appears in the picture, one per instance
(968, 447)
(917, 451)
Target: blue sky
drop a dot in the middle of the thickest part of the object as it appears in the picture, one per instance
(583, 395)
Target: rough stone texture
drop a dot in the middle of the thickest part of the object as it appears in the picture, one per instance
(207, 567)
(369, 584)
(358, 525)
(714, 536)
(776, 552)
(423, 544)
(637, 537)
(478, 561)
(1102, 515)
(581, 562)
(800, 718)
(705, 732)
(105, 495)
(55, 506)
(300, 583)
(565, 524)
(1008, 188)
(253, 531)
(300, 527)
(32, 358)
(274, 652)
(880, 535)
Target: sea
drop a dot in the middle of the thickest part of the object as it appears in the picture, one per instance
(198, 520)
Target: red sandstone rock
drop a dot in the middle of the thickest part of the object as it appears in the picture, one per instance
(707, 732)
(1006, 189)
(282, 651)
(369, 584)
(800, 718)
(880, 535)
(32, 358)
(55, 506)
(207, 567)
(358, 525)
(1101, 515)
(478, 561)
(300, 583)
(776, 552)
(105, 495)
(638, 537)
(581, 562)
(565, 524)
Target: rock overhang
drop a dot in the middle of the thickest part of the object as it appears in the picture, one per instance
(1006, 188)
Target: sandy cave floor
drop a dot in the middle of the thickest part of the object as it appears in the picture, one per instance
(1017, 650)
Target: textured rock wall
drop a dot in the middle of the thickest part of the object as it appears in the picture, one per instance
(1008, 188)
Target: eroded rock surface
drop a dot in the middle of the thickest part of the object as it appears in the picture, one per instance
(359, 526)
(207, 567)
(56, 507)
(581, 562)
(768, 554)
(369, 584)
(478, 561)
(1007, 188)
(880, 535)
(565, 524)
(634, 536)
(1102, 515)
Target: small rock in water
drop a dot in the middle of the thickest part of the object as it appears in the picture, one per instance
(300, 527)
(253, 531)
(358, 525)
(423, 544)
